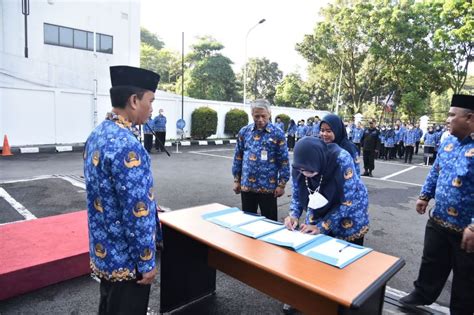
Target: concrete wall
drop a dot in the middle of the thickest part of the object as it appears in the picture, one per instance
(55, 66)
(36, 116)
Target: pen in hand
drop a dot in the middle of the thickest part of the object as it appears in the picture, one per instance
(348, 245)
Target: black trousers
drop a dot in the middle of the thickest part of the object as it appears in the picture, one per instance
(400, 150)
(267, 203)
(429, 152)
(148, 142)
(442, 253)
(369, 157)
(161, 136)
(408, 153)
(417, 146)
(291, 142)
(123, 297)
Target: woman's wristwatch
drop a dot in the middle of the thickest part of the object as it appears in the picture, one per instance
(424, 197)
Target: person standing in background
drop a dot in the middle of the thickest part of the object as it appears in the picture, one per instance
(291, 134)
(280, 124)
(159, 124)
(409, 139)
(419, 134)
(370, 143)
(357, 136)
(301, 130)
(261, 164)
(389, 143)
(148, 135)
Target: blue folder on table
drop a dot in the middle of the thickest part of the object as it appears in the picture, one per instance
(333, 251)
(259, 228)
(231, 217)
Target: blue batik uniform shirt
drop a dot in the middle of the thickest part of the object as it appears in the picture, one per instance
(357, 135)
(147, 127)
(292, 130)
(251, 169)
(348, 220)
(122, 216)
(409, 137)
(280, 125)
(159, 123)
(451, 183)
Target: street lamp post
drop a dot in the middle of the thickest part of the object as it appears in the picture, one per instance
(245, 60)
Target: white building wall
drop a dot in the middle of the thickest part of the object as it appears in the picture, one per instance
(65, 67)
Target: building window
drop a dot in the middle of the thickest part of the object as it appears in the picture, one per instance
(68, 37)
(51, 34)
(105, 43)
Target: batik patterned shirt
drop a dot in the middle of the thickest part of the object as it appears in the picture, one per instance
(122, 216)
(451, 183)
(348, 220)
(409, 137)
(261, 159)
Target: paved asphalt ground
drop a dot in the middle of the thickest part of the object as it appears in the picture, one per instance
(197, 176)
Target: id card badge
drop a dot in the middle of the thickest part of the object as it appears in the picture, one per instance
(316, 201)
(264, 155)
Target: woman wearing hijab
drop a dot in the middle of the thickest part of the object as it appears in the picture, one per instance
(327, 170)
(333, 130)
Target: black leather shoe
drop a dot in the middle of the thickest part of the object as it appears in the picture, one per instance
(365, 173)
(413, 299)
(370, 174)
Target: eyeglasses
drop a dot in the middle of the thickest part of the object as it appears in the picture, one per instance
(307, 173)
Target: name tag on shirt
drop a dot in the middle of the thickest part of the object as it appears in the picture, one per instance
(264, 155)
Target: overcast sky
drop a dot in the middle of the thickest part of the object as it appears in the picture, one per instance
(229, 21)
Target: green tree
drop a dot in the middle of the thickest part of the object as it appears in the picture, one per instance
(209, 74)
(452, 35)
(148, 57)
(262, 79)
(341, 41)
(151, 39)
(291, 92)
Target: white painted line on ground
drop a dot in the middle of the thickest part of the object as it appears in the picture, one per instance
(399, 294)
(214, 150)
(400, 164)
(29, 150)
(16, 205)
(72, 181)
(393, 181)
(399, 172)
(64, 148)
(202, 142)
(26, 180)
(214, 155)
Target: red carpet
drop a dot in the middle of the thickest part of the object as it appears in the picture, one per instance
(41, 252)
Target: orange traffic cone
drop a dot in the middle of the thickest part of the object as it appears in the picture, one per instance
(6, 147)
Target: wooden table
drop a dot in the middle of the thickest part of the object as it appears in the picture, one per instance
(195, 248)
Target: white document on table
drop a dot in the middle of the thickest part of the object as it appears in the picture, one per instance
(293, 239)
(258, 228)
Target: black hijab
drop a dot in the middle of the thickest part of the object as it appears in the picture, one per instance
(340, 133)
(313, 155)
